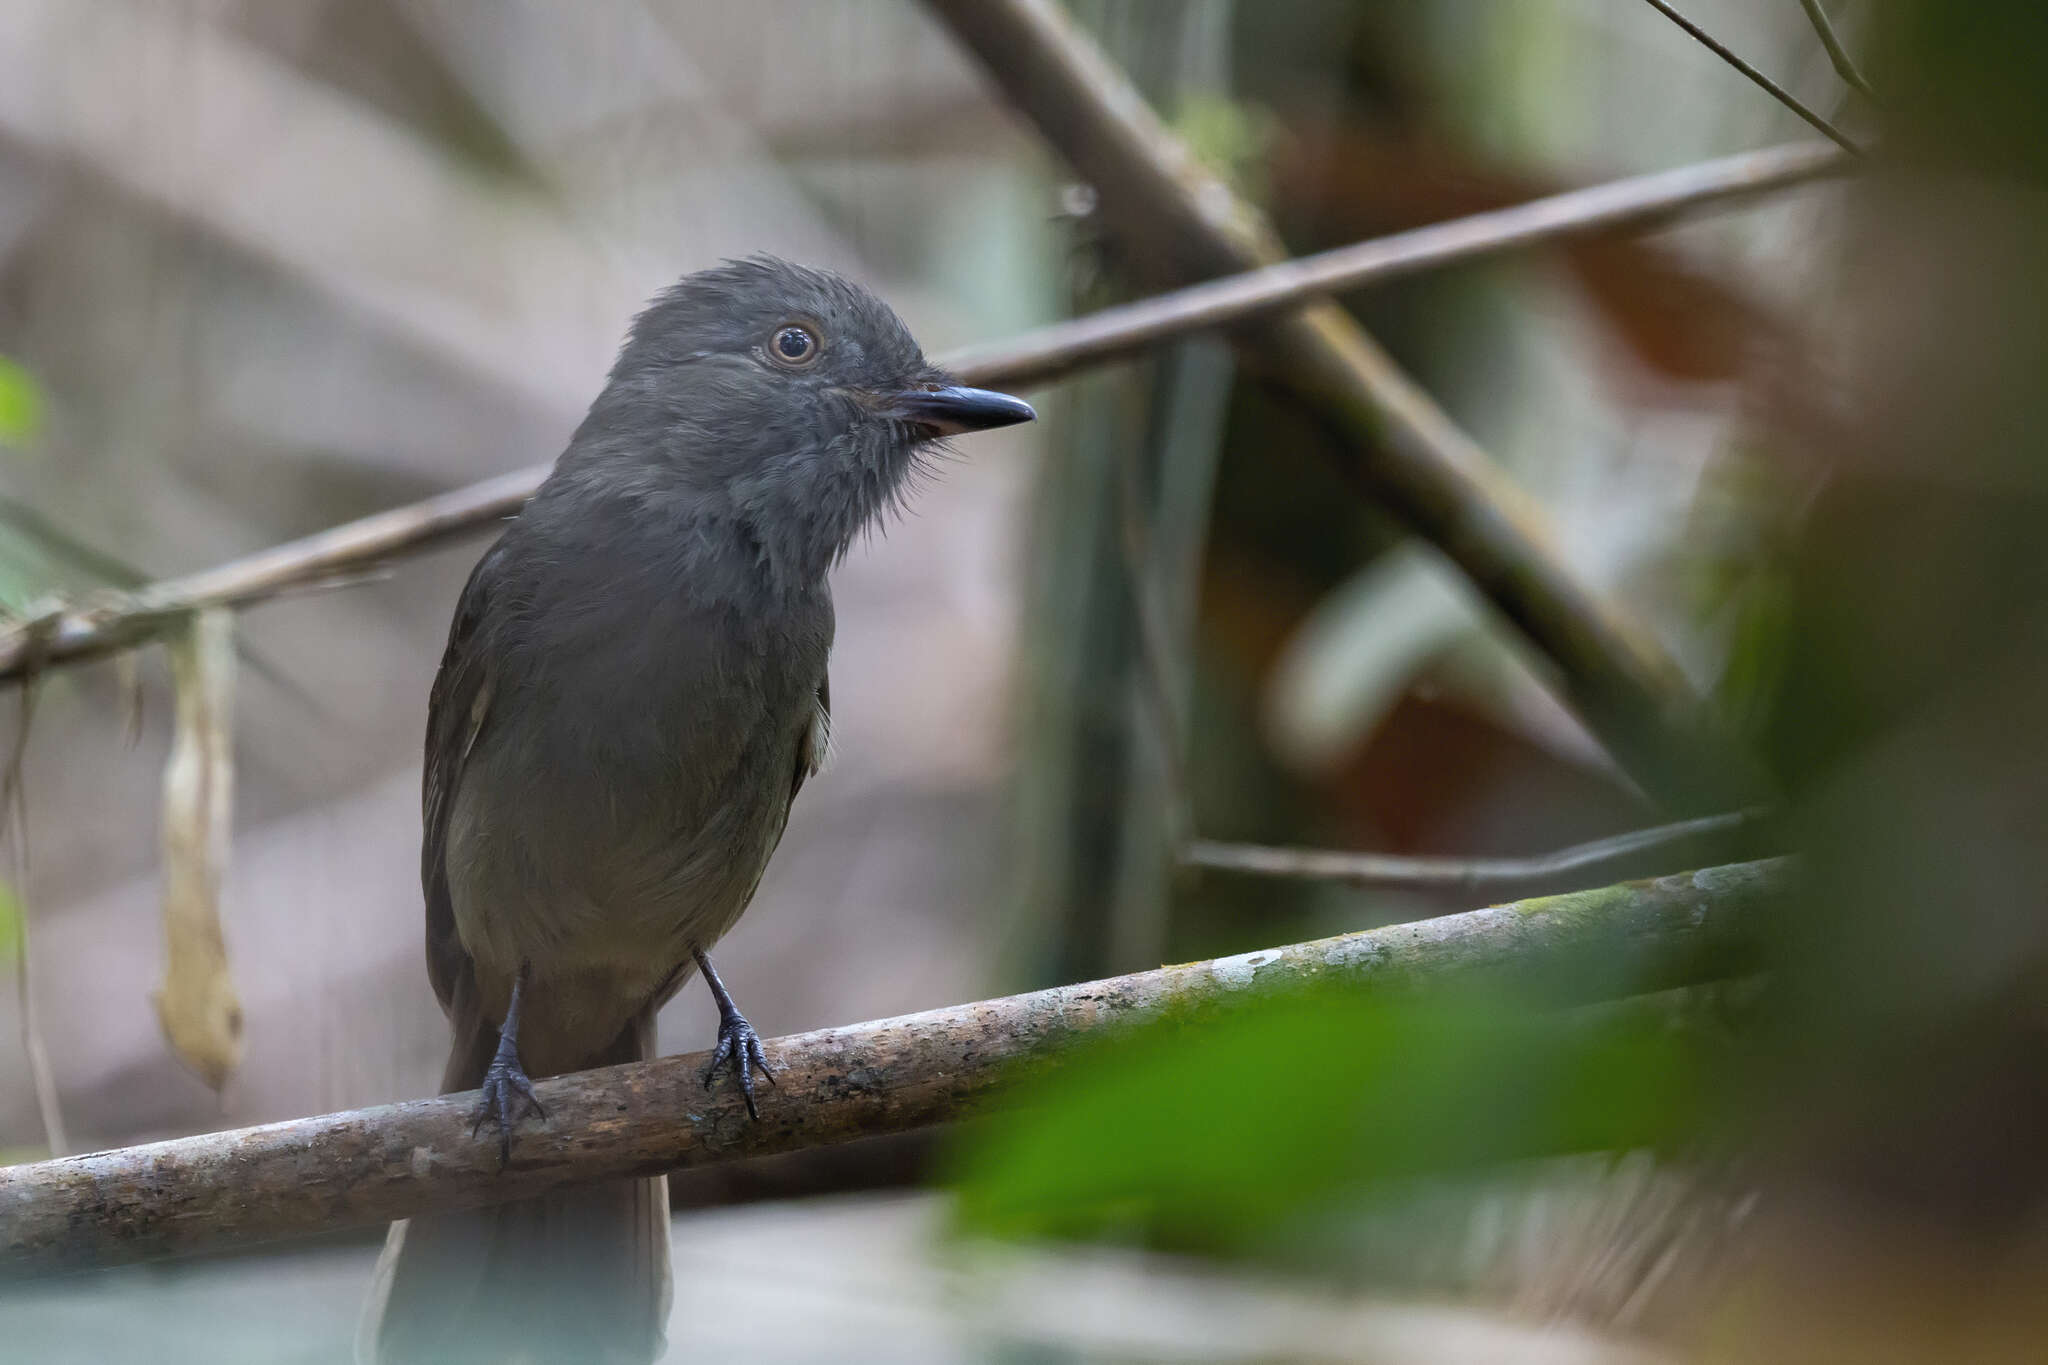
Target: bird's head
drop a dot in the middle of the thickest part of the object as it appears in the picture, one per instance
(786, 396)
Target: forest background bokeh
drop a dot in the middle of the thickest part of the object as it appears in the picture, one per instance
(268, 266)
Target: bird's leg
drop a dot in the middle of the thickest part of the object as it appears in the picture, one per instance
(505, 1086)
(736, 1037)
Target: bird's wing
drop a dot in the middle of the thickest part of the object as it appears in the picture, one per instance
(457, 712)
(817, 741)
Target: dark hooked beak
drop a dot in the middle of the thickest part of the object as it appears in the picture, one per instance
(954, 411)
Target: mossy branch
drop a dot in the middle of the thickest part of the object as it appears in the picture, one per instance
(368, 1166)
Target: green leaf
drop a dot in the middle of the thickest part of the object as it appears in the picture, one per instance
(21, 404)
(12, 922)
(1210, 1134)
(1232, 138)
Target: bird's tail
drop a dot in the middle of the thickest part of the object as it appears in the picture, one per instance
(579, 1275)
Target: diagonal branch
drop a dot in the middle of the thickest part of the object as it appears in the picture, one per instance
(73, 633)
(369, 1166)
(1637, 203)
(1182, 223)
(1776, 91)
(68, 633)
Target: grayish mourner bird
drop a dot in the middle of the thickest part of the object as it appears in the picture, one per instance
(632, 694)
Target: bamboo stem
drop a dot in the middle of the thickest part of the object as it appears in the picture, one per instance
(1181, 223)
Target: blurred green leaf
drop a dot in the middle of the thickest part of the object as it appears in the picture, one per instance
(21, 404)
(1209, 1134)
(1351, 661)
(1348, 664)
(1233, 138)
(1758, 645)
(11, 924)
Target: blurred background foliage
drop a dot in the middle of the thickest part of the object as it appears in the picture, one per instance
(21, 404)
(1329, 1097)
(1856, 573)
(1804, 441)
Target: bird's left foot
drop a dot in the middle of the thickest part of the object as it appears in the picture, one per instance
(738, 1041)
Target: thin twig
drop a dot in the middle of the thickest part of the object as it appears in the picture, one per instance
(42, 1077)
(14, 814)
(1845, 65)
(1735, 834)
(1637, 203)
(1777, 92)
(1155, 678)
(369, 1166)
(114, 621)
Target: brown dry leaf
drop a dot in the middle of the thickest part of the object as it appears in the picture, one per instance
(1335, 181)
(197, 1005)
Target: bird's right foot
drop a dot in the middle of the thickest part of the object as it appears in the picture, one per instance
(738, 1042)
(507, 1096)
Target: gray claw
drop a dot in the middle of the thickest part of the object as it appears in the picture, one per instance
(507, 1095)
(738, 1041)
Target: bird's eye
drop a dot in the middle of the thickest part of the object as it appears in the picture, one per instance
(793, 345)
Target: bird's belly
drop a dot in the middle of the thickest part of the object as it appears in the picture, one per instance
(601, 889)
